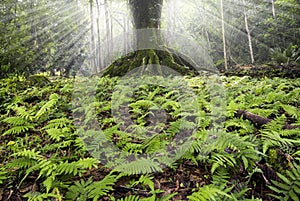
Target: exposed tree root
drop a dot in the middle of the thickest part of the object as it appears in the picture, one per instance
(143, 58)
(259, 120)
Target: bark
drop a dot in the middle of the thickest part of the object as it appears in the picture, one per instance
(273, 9)
(108, 29)
(146, 14)
(99, 60)
(93, 62)
(248, 32)
(223, 37)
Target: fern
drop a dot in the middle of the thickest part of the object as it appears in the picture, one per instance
(18, 129)
(130, 198)
(55, 134)
(243, 126)
(208, 192)
(78, 191)
(273, 139)
(291, 110)
(29, 154)
(22, 112)
(37, 196)
(22, 163)
(140, 166)
(222, 160)
(144, 180)
(16, 121)
(53, 99)
(289, 187)
(3, 175)
(101, 188)
(57, 123)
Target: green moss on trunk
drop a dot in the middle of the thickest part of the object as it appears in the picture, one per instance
(143, 58)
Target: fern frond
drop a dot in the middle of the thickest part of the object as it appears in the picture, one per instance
(29, 153)
(130, 198)
(222, 159)
(65, 168)
(55, 134)
(208, 192)
(88, 163)
(53, 99)
(57, 123)
(23, 162)
(101, 188)
(145, 104)
(3, 175)
(16, 121)
(273, 138)
(140, 166)
(37, 196)
(78, 191)
(289, 186)
(18, 129)
(244, 126)
(144, 180)
(22, 112)
(291, 110)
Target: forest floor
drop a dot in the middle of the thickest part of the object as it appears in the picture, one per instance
(243, 133)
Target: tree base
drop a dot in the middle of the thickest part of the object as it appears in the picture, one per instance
(158, 58)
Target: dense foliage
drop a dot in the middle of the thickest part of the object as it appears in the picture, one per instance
(43, 157)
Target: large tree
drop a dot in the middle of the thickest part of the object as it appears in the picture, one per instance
(146, 16)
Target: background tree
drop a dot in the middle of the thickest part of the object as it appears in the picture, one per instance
(146, 15)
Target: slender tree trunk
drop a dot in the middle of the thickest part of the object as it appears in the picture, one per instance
(223, 37)
(248, 32)
(273, 9)
(99, 59)
(108, 27)
(92, 52)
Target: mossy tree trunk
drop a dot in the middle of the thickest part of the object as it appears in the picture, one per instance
(146, 16)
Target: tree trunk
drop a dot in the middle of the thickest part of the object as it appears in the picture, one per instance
(108, 27)
(146, 14)
(92, 52)
(146, 20)
(223, 37)
(99, 59)
(248, 33)
(273, 9)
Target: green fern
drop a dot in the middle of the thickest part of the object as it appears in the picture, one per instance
(78, 191)
(242, 125)
(37, 196)
(222, 160)
(57, 123)
(53, 100)
(56, 134)
(208, 192)
(140, 166)
(291, 110)
(99, 189)
(130, 198)
(289, 186)
(16, 130)
(26, 114)
(3, 175)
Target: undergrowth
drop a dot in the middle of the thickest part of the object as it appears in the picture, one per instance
(147, 130)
